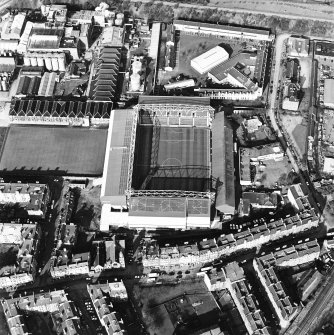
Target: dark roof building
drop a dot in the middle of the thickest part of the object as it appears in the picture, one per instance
(223, 164)
(104, 82)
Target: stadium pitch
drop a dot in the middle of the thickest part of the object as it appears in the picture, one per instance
(172, 158)
(58, 150)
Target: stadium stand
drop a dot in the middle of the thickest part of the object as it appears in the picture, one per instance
(31, 111)
(223, 164)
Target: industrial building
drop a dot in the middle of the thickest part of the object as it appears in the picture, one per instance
(180, 84)
(51, 61)
(157, 170)
(138, 74)
(209, 59)
(243, 74)
(210, 29)
(329, 93)
(112, 37)
(12, 27)
(155, 40)
(105, 77)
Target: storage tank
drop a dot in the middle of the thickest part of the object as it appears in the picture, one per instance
(134, 82)
(33, 61)
(61, 64)
(26, 61)
(55, 66)
(118, 22)
(40, 61)
(48, 64)
(4, 85)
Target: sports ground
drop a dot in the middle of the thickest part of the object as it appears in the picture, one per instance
(170, 158)
(59, 150)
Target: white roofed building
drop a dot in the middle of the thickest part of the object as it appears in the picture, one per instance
(328, 165)
(298, 46)
(209, 59)
(329, 93)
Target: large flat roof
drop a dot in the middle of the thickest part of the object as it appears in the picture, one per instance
(169, 207)
(329, 92)
(60, 150)
(223, 163)
(222, 27)
(149, 99)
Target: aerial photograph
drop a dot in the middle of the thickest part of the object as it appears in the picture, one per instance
(167, 167)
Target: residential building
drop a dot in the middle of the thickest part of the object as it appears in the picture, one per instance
(24, 240)
(258, 201)
(57, 309)
(298, 46)
(265, 267)
(291, 97)
(231, 277)
(63, 267)
(102, 296)
(229, 244)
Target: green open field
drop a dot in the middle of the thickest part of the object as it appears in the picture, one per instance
(58, 150)
(300, 135)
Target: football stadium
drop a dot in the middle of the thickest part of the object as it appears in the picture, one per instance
(158, 165)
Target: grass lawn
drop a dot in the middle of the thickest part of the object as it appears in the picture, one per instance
(3, 135)
(300, 135)
(60, 150)
(8, 253)
(89, 208)
(274, 172)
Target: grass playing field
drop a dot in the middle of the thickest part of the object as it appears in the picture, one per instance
(176, 158)
(60, 150)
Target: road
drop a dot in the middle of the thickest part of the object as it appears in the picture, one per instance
(279, 48)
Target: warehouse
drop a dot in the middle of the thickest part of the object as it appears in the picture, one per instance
(329, 93)
(208, 60)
